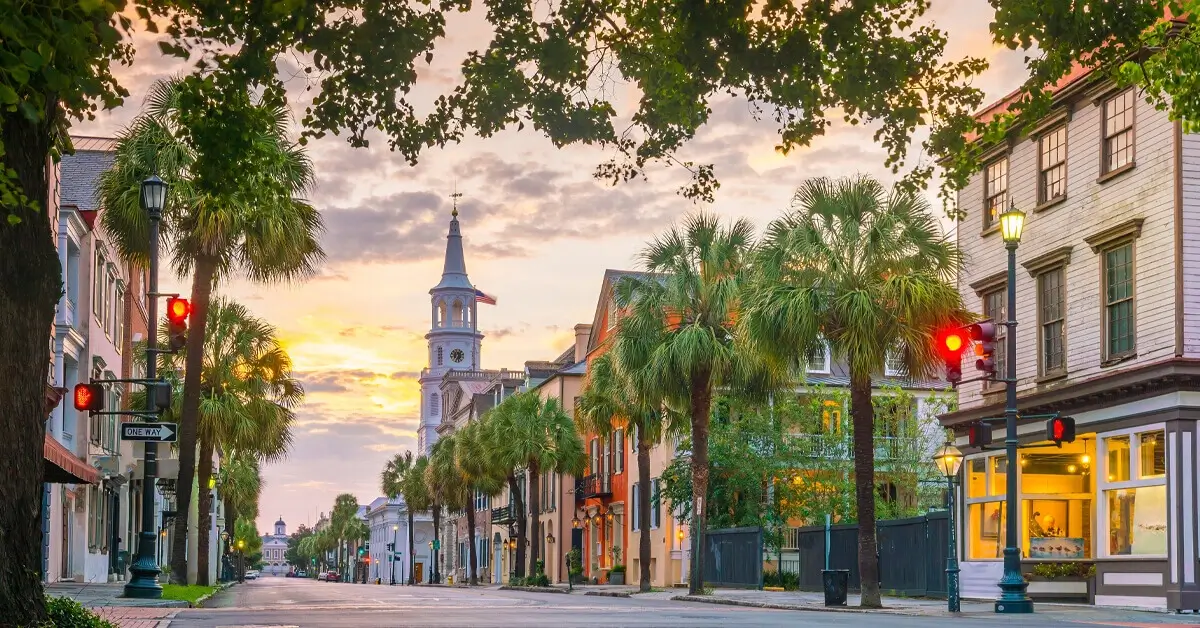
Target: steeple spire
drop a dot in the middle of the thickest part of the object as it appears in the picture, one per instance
(454, 271)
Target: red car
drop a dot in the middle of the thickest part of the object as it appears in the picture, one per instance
(331, 576)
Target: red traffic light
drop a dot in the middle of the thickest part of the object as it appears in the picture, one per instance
(979, 434)
(1060, 430)
(178, 310)
(89, 397)
(951, 344)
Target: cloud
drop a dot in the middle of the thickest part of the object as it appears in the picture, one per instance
(333, 381)
(405, 375)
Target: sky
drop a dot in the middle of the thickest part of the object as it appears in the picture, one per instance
(538, 232)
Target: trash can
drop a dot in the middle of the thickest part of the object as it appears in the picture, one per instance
(836, 582)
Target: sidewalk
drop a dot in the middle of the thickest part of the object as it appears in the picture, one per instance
(105, 600)
(810, 601)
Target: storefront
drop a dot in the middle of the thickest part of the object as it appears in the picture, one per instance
(1117, 507)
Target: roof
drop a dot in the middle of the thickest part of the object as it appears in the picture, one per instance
(79, 176)
(92, 143)
(906, 383)
(610, 277)
(454, 270)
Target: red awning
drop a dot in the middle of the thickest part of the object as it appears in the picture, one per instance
(62, 467)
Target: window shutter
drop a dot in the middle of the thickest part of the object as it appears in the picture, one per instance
(655, 520)
(636, 519)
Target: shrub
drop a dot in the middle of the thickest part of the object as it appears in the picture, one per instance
(790, 580)
(67, 613)
(516, 581)
(538, 580)
(617, 569)
(1053, 571)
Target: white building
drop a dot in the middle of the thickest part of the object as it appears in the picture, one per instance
(274, 548)
(388, 522)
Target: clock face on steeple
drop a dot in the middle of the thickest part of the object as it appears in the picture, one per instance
(457, 356)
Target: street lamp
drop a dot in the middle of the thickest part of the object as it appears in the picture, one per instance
(241, 545)
(144, 570)
(948, 460)
(395, 534)
(1012, 585)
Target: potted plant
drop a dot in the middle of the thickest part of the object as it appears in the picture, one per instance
(575, 566)
(616, 575)
(1064, 581)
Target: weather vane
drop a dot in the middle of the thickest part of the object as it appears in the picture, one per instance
(456, 195)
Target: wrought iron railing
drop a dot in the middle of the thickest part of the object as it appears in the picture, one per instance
(504, 515)
(595, 485)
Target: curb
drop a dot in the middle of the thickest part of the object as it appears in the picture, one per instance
(609, 593)
(534, 589)
(797, 607)
(204, 598)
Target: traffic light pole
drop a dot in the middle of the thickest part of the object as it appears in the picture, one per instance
(1012, 585)
(144, 583)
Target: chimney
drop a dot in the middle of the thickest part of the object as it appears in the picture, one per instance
(583, 332)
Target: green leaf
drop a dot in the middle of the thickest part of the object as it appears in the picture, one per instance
(32, 59)
(14, 219)
(8, 96)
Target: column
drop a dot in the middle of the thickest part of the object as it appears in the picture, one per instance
(1183, 456)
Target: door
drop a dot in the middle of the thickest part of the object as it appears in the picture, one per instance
(67, 507)
(419, 573)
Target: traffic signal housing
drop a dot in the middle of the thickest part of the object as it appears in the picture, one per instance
(1061, 429)
(89, 397)
(950, 346)
(177, 314)
(984, 335)
(979, 434)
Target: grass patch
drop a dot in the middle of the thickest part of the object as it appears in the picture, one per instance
(189, 593)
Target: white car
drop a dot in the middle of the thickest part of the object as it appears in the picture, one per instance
(252, 574)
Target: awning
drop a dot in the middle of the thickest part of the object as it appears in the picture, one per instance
(62, 467)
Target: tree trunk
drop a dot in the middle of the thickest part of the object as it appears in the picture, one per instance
(204, 469)
(437, 536)
(863, 415)
(701, 406)
(472, 557)
(412, 561)
(30, 285)
(643, 459)
(202, 283)
(518, 506)
(535, 505)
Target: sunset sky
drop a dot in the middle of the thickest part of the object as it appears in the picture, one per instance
(538, 230)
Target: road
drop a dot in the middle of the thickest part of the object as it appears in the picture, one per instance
(287, 602)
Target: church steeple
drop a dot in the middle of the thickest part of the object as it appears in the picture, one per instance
(454, 271)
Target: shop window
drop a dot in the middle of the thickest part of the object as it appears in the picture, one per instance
(986, 477)
(987, 530)
(977, 477)
(1134, 510)
(999, 472)
(1057, 502)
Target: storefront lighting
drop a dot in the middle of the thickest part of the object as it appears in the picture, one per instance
(1071, 468)
(609, 516)
(1085, 459)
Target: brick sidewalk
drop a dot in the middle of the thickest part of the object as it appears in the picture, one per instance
(134, 617)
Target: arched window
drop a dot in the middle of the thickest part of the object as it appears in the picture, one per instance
(442, 311)
(457, 313)
(440, 356)
(435, 405)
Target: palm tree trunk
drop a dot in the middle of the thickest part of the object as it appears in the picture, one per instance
(437, 531)
(202, 283)
(535, 508)
(643, 459)
(412, 561)
(515, 488)
(204, 507)
(472, 557)
(30, 285)
(701, 406)
(863, 415)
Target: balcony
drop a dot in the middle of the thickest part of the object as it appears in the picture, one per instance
(595, 485)
(504, 515)
(841, 447)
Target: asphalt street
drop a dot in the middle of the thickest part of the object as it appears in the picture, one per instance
(286, 602)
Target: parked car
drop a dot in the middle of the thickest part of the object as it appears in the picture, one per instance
(252, 574)
(324, 575)
(332, 576)
(301, 574)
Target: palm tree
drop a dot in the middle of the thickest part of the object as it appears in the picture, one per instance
(537, 436)
(479, 477)
(258, 226)
(868, 272)
(417, 499)
(241, 484)
(678, 333)
(247, 399)
(613, 397)
(343, 520)
(445, 486)
(391, 482)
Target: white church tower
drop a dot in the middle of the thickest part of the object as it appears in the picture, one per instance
(453, 338)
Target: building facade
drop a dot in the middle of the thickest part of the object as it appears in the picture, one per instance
(388, 522)
(1108, 301)
(274, 551)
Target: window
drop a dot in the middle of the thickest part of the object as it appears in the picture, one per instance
(636, 509)
(1052, 165)
(119, 336)
(1119, 332)
(594, 465)
(1134, 513)
(606, 456)
(1052, 313)
(435, 404)
(98, 286)
(993, 309)
(818, 359)
(619, 447)
(893, 363)
(109, 289)
(614, 314)
(655, 505)
(995, 182)
(986, 478)
(1118, 132)
(440, 356)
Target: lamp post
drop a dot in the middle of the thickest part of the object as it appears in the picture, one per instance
(144, 583)
(392, 558)
(1012, 585)
(241, 545)
(948, 460)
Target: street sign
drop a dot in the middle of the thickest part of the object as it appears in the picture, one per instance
(437, 544)
(154, 432)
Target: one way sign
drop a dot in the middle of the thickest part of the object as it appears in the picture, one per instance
(157, 432)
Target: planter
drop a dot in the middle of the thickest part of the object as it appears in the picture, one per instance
(836, 583)
(616, 577)
(1068, 588)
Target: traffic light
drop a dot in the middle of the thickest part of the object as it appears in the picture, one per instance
(1061, 430)
(979, 434)
(89, 397)
(177, 315)
(950, 345)
(162, 394)
(984, 335)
